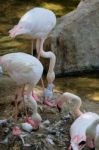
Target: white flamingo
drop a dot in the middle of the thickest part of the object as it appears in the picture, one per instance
(23, 69)
(79, 126)
(92, 134)
(38, 23)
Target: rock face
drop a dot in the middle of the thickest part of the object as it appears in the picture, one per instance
(75, 40)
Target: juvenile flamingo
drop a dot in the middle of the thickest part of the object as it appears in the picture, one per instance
(24, 69)
(37, 23)
(79, 126)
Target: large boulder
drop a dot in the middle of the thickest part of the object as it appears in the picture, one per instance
(75, 40)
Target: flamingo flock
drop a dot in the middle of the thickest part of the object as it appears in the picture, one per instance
(37, 23)
(25, 70)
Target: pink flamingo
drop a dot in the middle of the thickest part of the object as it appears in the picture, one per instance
(24, 69)
(38, 23)
(79, 126)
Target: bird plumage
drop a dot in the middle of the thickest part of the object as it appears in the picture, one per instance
(80, 125)
(92, 134)
(37, 22)
(23, 68)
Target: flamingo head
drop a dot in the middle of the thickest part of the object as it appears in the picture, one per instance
(37, 119)
(60, 103)
(20, 29)
(77, 146)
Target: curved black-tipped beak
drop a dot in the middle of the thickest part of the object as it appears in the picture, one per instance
(82, 144)
(59, 109)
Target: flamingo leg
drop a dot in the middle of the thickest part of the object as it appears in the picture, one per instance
(27, 97)
(33, 94)
(27, 92)
(25, 108)
(18, 96)
(39, 46)
(32, 46)
(16, 130)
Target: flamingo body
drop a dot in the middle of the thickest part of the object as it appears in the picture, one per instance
(79, 126)
(22, 68)
(97, 138)
(37, 23)
(92, 134)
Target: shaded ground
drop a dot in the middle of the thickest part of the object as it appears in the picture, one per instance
(57, 137)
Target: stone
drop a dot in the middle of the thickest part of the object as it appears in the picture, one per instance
(75, 39)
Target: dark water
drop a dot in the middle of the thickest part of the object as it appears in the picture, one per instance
(10, 13)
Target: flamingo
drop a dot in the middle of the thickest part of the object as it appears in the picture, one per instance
(1, 71)
(24, 69)
(92, 134)
(38, 23)
(80, 125)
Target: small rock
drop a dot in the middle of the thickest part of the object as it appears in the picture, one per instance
(46, 122)
(27, 127)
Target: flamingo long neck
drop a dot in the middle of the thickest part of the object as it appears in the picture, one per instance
(75, 100)
(77, 110)
(33, 105)
(51, 55)
(50, 74)
(91, 131)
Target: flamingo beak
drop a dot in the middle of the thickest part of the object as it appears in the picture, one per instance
(82, 144)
